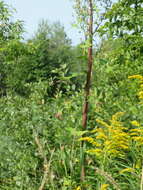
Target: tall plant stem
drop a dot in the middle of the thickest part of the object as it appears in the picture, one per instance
(46, 164)
(141, 184)
(88, 84)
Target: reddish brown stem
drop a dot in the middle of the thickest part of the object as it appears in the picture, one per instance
(88, 81)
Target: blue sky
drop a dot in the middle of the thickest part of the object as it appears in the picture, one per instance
(31, 11)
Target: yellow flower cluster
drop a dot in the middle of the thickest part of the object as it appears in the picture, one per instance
(90, 140)
(78, 188)
(136, 77)
(140, 94)
(104, 187)
(135, 123)
(137, 133)
(109, 139)
(112, 139)
(127, 170)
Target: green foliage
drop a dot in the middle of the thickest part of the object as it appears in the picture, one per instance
(41, 96)
(125, 16)
(10, 33)
(120, 56)
(53, 56)
(21, 166)
(8, 29)
(47, 57)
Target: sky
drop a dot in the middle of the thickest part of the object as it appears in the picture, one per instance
(32, 11)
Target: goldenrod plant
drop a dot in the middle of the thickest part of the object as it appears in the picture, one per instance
(110, 140)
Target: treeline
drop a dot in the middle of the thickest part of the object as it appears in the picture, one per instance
(47, 56)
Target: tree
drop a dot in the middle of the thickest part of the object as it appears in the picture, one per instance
(89, 17)
(125, 21)
(37, 59)
(125, 18)
(53, 52)
(9, 31)
(119, 56)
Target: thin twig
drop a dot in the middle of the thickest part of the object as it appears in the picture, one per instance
(108, 177)
(46, 163)
(141, 185)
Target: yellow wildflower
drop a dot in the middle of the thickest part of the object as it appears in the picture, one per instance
(138, 164)
(107, 143)
(135, 77)
(110, 139)
(138, 139)
(94, 150)
(136, 130)
(133, 134)
(104, 186)
(123, 146)
(97, 152)
(117, 115)
(102, 123)
(101, 136)
(114, 121)
(90, 140)
(126, 170)
(78, 188)
(113, 152)
(140, 94)
(94, 131)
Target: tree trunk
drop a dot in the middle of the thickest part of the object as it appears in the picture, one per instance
(88, 83)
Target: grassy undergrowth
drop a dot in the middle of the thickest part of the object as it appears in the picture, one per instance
(41, 138)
